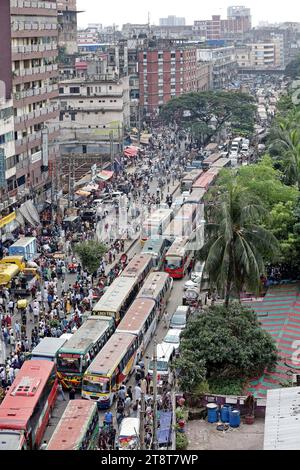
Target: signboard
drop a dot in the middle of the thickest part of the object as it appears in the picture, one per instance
(7, 220)
(2, 169)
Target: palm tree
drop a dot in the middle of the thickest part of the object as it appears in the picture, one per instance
(289, 140)
(236, 243)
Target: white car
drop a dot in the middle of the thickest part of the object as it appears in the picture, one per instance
(173, 337)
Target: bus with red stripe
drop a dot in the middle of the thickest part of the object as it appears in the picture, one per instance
(110, 368)
(27, 406)
(178, 258)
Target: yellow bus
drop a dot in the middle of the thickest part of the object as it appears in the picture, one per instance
(7, 273)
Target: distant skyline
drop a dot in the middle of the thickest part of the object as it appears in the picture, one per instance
(135, 11)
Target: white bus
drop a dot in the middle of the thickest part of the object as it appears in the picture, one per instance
(156, 224)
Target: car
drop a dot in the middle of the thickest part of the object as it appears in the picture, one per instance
(179, 318)
(173, 337)
(234, 154)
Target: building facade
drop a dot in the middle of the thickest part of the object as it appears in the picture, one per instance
(7, 151)
(29, 70)
(261, 55)
(167, 71)
(238, 23)
(223, 65)
(172, 20)
(67, 25)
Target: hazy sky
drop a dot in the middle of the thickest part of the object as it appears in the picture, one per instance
(136, 11)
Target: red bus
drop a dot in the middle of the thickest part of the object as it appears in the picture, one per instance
(207, 179)
(178, 258)
(27, 406)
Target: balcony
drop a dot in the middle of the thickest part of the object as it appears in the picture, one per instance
(33, 73)
(34, 48)
(39, 92)
(35, 157)
(43, 113)
(34, 26)
(33, 139)
(32, 4)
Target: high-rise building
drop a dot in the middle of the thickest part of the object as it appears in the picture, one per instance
(172, 20)
(67, 25)
(28, 68)
(238, 22)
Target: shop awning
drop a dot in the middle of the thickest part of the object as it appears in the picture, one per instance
(105, 175)
(131, 151)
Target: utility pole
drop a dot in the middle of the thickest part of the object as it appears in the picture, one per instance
(111, 140)
(139, 124)
(69, 182)
(142, 422)
(154, 445)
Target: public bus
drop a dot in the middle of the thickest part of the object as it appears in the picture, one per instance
(139, 268)
(209, 161)
(156, 224)
(157, 287)
(141, 321)
(27, 406)
(222, 163)
(110, 368)
(189, 178)
(117, 298)
(78, 428)
(178, 258)
(48, 349)
(207, 179)
(74, 358)
(178, 228)
(156, 248)
(196, 196)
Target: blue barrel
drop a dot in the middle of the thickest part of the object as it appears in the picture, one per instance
(234, 418)
(225, 410)
(212, 413)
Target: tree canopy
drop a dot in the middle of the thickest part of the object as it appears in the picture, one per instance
(90, 253)
(224, 342)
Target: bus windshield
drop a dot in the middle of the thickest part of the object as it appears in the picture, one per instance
(173, 263)
(96, 387)
(161, 365)
(68, 364)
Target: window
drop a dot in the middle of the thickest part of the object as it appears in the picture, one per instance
(61, 90)
(74, 89)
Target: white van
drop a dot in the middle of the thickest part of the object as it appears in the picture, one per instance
(165, 355)
(129, 434)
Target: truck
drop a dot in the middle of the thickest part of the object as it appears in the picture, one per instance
(25, 247)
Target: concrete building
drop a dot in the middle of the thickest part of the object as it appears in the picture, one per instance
(166, 70)
(28, 68)
(67, 25)
(172, 20)
(87, 36)
(7, 151)
(223, 63)
(261, 55)
(234, 27)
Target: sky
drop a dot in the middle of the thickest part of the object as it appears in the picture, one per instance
(136, 11)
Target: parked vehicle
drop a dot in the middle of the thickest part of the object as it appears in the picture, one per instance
(173, 337)
(179, 318)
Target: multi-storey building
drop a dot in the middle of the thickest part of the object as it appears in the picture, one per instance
(166, 70)
(238, 22)
(7, 151)
(261, 55)
(172, 20)
(67, 25)
(28, 52)
(223, 63)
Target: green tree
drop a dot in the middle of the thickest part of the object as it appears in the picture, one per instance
(236, 242)
(90, 254)
(192, 369)
(229, 343)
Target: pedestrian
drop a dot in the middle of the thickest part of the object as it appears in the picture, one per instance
(72, 393)
(61, 391)
(122, 393)
(144, 386)
(137, 394)
(127, 406)
(166, 319)
(108, 419)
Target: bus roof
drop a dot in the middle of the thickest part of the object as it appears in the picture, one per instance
(10, 440)
(87, 334)
(48, 346)
(178, 228)
(136, 316)
(153, 285)
(23, 395)
(195, 197)
(212, 158)
(24, 241)
(72, 425)
(179, 247)
(112, 299)
(159, 215)
(153, 245)
(108, 358)
(222, 162)
(137, 265)
(192, 175)
(206, 179)
(186, 211)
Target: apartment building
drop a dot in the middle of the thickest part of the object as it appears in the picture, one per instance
(7, 151)
(166, 71)
(28, 68)
(261, 55)
(223, 65)
(238, 22)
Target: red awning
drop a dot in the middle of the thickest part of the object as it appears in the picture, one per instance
(131, 151)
